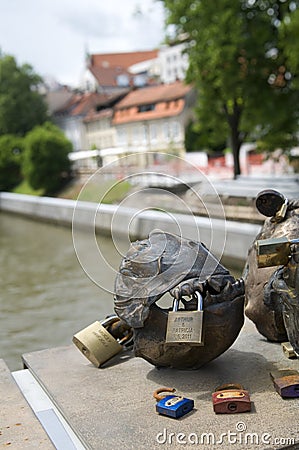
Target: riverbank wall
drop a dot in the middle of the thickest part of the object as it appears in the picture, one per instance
(223, 237)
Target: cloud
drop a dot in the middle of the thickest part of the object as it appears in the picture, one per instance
(51, 34)
(127, 20)
(96, 25)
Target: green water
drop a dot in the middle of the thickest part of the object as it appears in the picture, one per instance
(45, 294)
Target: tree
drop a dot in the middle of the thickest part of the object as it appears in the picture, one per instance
(11, 149)
(239, 61)
(21, 105)
(289, 33)
(195, 139)
(46, 162)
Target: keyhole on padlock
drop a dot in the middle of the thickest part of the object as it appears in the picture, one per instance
(232, 406)
(85, 351)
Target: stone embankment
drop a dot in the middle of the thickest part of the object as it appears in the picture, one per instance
(222, 237)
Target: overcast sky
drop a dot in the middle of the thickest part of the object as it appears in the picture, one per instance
(52, 35)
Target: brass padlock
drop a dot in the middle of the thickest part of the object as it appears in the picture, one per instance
(97, 344)
(274, 251)
(288, 350)
(185, 326)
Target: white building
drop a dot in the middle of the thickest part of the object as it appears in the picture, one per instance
(173, 63)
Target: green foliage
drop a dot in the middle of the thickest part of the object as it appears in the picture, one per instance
(25, 188)
(289, 34)
(21, 106)
(46, 163)
(97, 190)
(191, 138)
(243, 59)
(197, 139)
(11, 149)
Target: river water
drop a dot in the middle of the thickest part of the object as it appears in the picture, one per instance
(47, 293)
(46, 296)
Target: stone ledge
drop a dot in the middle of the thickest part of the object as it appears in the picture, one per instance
(113, 407)
(19, 428)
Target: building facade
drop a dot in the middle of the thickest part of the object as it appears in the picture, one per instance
(173, 63)
(154, 119)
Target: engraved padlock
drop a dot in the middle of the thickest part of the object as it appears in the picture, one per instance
(97, 344)
(185, 326)
(174, 406)
(231, 399)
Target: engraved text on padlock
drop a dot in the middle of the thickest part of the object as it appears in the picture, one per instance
(97, 344)
(185, 326)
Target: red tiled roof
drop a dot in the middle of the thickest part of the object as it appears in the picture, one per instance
(168, 101)
(107, 67)
(97, 115)
(108, 76)
(123, 60)
(80, 104)
(154, 94)
(162, 110)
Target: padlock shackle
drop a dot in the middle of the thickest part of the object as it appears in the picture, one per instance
(113, 319)
(109, 321)
(126, 338)
(176, 304)
(159, 390)
(199, 298)
(229, 386)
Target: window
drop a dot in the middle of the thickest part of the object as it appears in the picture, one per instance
(122, 80)
(166, 131)
(145, 108)
(135, 137)
(122, 136)
(144, 134)
(153, 132)
(176, 131)
(140, 80)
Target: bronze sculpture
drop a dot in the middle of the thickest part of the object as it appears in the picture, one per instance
(168, 263)
(272, 293)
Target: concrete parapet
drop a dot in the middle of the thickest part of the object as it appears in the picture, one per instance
(222, 237)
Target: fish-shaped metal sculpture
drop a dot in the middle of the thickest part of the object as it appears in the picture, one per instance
(167, 263)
